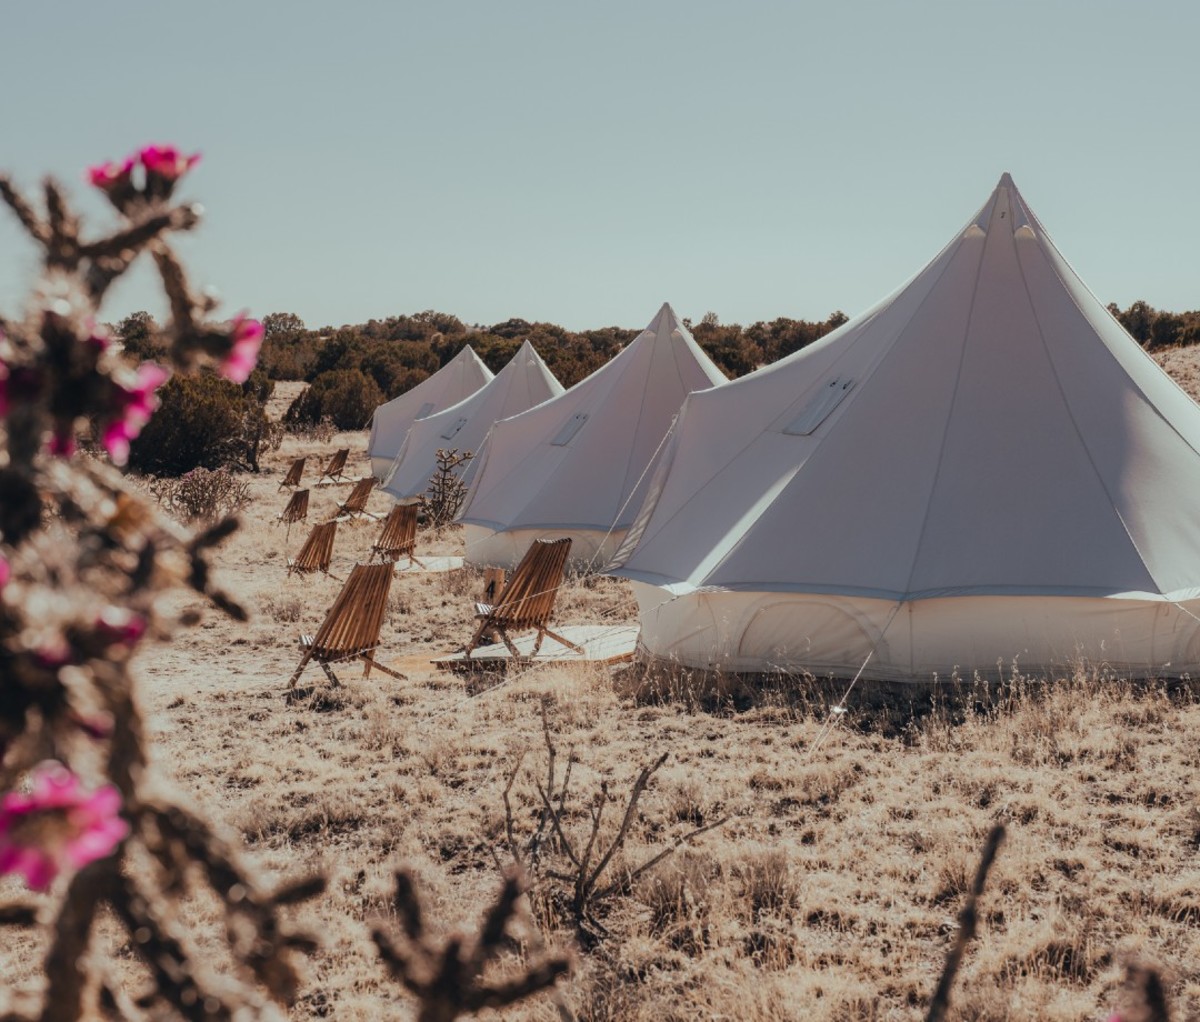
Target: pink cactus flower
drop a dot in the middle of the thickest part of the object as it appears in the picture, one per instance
(135, 406)
(246, 336)
(119, 627)
(57, 826)
(97, 725)
(106, 176)
(98, 338)
(62, 441)
(5, 572)
(167, 161)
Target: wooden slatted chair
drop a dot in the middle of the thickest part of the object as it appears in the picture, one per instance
(297, 508)
(528, 599)
(294, 473)
(317, 551)
(398, 537)
(351, 627)
(355, 505)
(337, 464)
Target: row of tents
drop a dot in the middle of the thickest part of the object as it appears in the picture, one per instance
(982, 473)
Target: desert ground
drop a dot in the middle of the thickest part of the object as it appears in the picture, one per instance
(831, 889)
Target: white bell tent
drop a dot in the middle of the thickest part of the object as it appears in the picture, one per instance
(459, 378)
(519, 386)
(983, 472)
(572, 466)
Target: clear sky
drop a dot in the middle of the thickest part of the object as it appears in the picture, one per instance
(583, 162)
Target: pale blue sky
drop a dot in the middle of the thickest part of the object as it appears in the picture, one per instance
(581, 163)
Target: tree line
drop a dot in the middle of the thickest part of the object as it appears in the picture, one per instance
(355, 368)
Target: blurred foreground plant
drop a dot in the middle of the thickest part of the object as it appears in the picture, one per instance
(83, 558)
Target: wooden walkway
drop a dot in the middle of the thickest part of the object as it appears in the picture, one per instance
(604, 644)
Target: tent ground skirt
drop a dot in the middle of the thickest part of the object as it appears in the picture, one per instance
(966, 637)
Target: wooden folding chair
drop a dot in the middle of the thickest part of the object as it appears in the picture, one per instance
(528, 598)
(398, 537)
(356, 504)
(317, 551)
(297, 508)
(351, 628)
(294, 473)
(337, 464)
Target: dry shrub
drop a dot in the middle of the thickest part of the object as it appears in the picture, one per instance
(322, 431)
(680, 894)
(284, 609)
(203, 494)
(766, 884)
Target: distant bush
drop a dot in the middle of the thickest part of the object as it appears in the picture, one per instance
(205, 422)
(316, 432)
(348, 397)
(203, 495)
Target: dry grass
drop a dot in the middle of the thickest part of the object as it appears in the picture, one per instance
(832, 892)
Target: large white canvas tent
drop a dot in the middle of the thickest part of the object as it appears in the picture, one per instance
(983, 472)
(459, 378)
(571, 466)
(519, 386)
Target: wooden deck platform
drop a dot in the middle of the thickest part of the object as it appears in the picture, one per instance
(430, 564)
(604, 644)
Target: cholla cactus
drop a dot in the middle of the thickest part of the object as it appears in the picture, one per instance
(82, 558)
(442, 501)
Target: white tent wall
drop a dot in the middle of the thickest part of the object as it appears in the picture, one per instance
(992, 637)
(576, 465)
(997, 436)
(459, 378)
(523, 383)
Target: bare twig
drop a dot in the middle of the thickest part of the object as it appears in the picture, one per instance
(448, 981)
(967, 920)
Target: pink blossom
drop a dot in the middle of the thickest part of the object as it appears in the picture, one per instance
(5, 572)
(98, 725)
(98, 338)
(57, 826)
(106, 176)
(4, 374)
(117, 626)
(246, 337)
(167, 161)
(62, 441)
(133, 411)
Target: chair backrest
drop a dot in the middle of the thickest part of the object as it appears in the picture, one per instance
(398, 536)
(528, 598)
(317, 551)
(337, 462)
(353, 623)
(357, 501)
(294, 473)
(297, 507)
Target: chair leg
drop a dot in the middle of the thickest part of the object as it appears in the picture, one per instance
(386, 670)
(333, 678)
(300, 670)
(475, 638)
(566, 642)
(516, 653)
